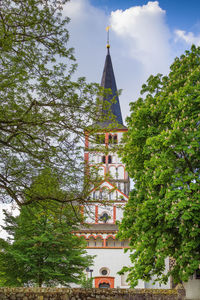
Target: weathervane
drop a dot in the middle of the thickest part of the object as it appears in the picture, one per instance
(107, 29)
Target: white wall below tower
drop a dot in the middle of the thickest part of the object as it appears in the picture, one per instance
(113, 260)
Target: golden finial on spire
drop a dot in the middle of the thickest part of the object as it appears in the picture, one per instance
(107, 29)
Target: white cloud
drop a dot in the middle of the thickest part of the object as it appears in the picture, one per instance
(189, 38)
(144, 30)
(139, 40)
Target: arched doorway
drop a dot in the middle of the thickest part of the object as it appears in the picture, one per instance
(104, 282)
(104, 285)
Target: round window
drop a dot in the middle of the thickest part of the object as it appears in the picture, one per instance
(104, 271)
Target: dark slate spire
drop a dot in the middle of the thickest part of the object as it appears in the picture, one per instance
(108, 82)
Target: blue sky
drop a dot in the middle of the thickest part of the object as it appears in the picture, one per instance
(184, 13)
(145, 38)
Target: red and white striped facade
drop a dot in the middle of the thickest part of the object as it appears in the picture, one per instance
(108, 201)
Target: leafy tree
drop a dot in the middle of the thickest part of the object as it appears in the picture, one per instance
(86, 283)
(43, 112)
(162, 154)
(41, 249)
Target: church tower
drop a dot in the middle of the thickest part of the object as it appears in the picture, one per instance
(109, 198)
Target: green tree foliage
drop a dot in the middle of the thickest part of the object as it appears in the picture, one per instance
(41, 249)
(86, 283)
(43, 113)
(162, 155)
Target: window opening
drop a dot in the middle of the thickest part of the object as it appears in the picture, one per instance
(117, 174)
(110, 138)
(104, 217)
(115, 139)
(109, 159)
(103, 159)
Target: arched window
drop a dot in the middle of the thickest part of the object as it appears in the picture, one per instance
(119, 186)
(100, 195)
(112, 139)
(99, 242)
(91, 242)
(125, 243)
(103, 159)
(110, 242)
(116, 195)
(112, 172)
(109, 159)
(104, 217)
(117, 174)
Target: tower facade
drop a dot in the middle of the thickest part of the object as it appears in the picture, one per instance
(109, 198)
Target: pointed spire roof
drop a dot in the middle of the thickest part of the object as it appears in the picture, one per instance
(108, 82)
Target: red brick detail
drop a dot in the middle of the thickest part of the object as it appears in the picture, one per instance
(91, 235)
(114, 214)
(96, 214)
(86, 157)
(86, 140)
(110, 236)
(101, 279)
(106, 138)
(106, 159)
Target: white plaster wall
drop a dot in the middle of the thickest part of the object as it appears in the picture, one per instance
(89, 214)
(112, 171)
(113, 259)
(120, 172)
(119, 213)
(192, 288)
(119, 135)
